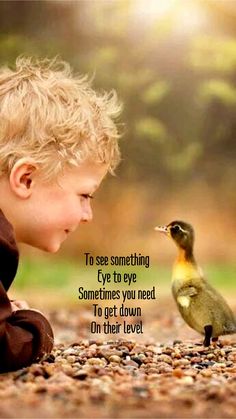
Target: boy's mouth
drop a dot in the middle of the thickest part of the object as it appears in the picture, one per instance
(71, 229)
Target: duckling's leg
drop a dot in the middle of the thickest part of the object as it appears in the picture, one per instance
(208, 334)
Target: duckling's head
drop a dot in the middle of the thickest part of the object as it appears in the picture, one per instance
(182, 233)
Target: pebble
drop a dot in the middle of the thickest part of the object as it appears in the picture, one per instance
(179, 377)
(178, 372)
(137, 360)
(70, 351)
(114, 358)
(96, 361)
(165, 358)
(130, 362)
(71, 358)
(142, 357)
(210, 356)
(206, 373)
(187, 380)
(176, 354)
(80, 375)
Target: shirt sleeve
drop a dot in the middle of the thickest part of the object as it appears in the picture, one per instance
(25, 336)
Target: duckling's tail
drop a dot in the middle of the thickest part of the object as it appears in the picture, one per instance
(232, 328)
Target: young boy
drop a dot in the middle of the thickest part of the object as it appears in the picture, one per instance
(58, 139)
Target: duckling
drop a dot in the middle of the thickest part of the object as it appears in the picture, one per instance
(200, 305)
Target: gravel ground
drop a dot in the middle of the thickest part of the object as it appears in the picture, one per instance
(110, 377)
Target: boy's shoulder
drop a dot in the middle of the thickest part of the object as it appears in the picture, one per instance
(9, 253)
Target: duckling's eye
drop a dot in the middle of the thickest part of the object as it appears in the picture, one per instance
(175, 228)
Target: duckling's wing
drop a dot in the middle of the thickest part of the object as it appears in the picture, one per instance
(188, 291)
(185, 294)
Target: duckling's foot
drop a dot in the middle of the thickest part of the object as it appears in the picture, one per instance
(208, 333)
(216, 342)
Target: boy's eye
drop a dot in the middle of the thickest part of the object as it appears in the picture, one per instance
(87, 196)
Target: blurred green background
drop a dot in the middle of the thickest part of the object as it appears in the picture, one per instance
(173, 64)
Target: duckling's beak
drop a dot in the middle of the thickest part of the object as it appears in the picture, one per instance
(162, 229)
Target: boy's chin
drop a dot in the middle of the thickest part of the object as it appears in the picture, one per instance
(51, 247)
(48, 246)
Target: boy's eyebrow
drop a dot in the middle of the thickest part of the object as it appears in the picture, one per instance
(93, 187)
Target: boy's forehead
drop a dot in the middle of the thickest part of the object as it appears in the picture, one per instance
(88, 172)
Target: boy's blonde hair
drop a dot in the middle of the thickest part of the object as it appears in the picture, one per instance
(54, 118)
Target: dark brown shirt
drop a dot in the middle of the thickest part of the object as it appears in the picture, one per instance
(25, 335)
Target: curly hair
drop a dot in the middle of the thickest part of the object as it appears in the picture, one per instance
(55, 118)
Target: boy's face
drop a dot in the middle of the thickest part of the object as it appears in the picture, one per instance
(55, 209)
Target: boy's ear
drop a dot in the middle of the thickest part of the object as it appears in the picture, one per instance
(22, 177)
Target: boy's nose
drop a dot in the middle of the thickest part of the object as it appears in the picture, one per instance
(87, 214)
